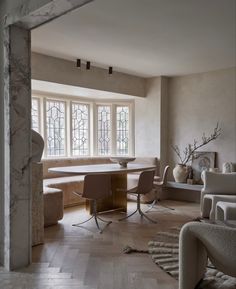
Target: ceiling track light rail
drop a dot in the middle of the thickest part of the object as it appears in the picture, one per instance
(88, 66)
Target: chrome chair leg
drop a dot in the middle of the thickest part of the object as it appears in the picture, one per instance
(77, 225)
(151, 206)
(126, 217)
(101, 229)
(142, 213)
(157, 203)
(145, 216)
(96, 221)
(138, 210)
(96, 218)
(99, 218)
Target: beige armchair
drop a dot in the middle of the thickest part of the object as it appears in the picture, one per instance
(199, 241)
(217, 187)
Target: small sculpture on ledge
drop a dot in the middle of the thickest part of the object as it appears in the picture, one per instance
(181, 170)
(37, 146)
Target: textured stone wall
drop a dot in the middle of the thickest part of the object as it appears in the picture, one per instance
(37, 204)
(15, 238)
(17, 136)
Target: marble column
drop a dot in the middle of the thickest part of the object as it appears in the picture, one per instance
(17, 104)
(17, 123)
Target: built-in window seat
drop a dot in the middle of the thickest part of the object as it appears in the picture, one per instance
(67, 183)
(60, 187)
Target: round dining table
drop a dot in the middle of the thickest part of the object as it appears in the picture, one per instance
(118, 198)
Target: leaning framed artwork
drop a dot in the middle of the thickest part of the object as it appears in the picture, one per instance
(202, 161)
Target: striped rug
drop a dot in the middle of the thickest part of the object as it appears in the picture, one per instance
(165, 253)
(164, 250)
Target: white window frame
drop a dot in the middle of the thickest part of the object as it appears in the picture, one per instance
(92, 119)
(130, 145)
(45, 99)
(97, 104)
(70, 128)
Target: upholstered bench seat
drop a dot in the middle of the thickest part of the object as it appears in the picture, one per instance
(68, 185)
(62, 180)
(53, 205)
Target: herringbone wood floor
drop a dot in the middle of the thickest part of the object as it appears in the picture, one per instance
(97, 259)
(81, 258)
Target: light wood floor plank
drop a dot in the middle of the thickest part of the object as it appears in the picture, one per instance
(81, 258)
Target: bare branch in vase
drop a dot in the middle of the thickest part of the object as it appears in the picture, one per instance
(188, 152)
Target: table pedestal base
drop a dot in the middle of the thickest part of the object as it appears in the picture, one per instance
(118, 199)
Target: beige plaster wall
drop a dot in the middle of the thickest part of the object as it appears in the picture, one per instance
(147, 120)
(65, 72)
(196, 103)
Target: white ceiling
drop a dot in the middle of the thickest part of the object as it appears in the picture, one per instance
(146, 38)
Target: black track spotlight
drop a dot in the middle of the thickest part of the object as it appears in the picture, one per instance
(88, 65)
(110, 70)
(78, 63)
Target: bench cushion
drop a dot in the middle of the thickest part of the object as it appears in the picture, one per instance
(53, 206)
(62, 180)
(68, 185)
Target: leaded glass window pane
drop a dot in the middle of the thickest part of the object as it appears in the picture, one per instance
(104, 130)
(122, 130)
(55, 124)
(35, 114)
(80, 129)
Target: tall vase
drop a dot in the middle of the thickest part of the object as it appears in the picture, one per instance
(180, 173)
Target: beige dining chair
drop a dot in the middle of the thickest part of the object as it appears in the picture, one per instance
(96, 187)
(145, 185)
(158, 185)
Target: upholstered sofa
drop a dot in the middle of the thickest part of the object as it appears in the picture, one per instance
(226, 211)
(217, 187)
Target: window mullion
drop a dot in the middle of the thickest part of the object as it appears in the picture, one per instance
(131, 129)
(68, 128)
(44, 126)
(94, 130)
(113, 129)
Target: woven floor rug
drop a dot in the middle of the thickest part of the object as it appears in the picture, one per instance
(164, 250)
